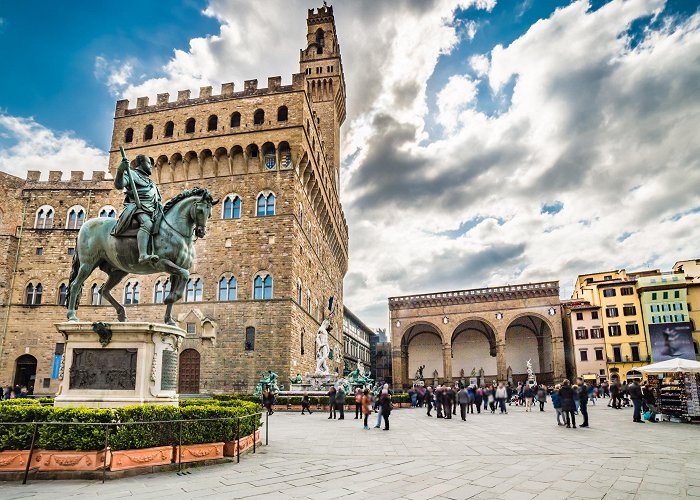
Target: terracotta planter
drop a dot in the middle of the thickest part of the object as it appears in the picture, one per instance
(198, 452)
(230, 449)
(52, 460)
(13, 460)
(146, 457)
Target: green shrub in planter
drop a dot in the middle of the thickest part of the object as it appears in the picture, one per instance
(74, 437)
(197, 402)
(137, 436)
(19, 402)
(209, 431)
(46, 401)
(19, 437)
(241, 397)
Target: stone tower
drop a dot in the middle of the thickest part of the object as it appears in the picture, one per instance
(322, 67)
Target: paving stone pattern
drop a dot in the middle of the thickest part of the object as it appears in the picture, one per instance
(515, 456)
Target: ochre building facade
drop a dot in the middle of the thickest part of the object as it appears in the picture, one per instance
(276, 248)
(488, 334)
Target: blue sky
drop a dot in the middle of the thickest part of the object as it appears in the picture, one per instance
(497, 141)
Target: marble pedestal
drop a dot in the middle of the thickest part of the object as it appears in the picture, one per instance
(106, 365)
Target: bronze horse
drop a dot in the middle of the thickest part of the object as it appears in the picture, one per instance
(184, 217)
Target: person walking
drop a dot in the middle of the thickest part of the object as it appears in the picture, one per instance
(267, 399)
(340, 402)
(577, 401)
(491, 391)
(635, 392)
(305, 404)
(385, 403)
(592, 393)
(501, 395)
(615, 395)
(528, 394)
(583, 400)
(366, 407)
(472, 398)
(542, 396)
(358, 403)
(478, 398)
(439, 400)
(429, 400)
(331, 402)
(455, 390)
(413, 396)
(463, 400)
(448, 401)
(566, 394)
(650, 400)
(556, 404)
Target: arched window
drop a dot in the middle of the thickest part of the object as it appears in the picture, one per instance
(34, 293)
(132, 292)
(194, 290)
(62, 294)
(250, 338)
(108, 212)
(232, 207)
(95, 297)
(160, 291)
(320, 41)
(76, 217)
(148, 132)
(300, 294)
(282, 114)
(212, 123)
(235, 120)
(228, 288)
(189, 126)
(258, 117)
(301, 216)
(169, 129)
(129, 135)
(266, 205)
(308, 301)
(44, 217)
(262, 287)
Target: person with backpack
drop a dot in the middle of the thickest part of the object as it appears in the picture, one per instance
(358, 403)
(366, 407)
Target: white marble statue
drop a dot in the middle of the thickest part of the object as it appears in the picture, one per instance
(529, 369)
(322, 349)
(360, 368)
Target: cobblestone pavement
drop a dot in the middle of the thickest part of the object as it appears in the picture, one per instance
(515, 456)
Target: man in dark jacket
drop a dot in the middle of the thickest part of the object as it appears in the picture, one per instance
(635, 392)
(463, 400)
(449, 398)
(583, 400)
(650, 400)
(615, 395)
(429, 400)
(566, 394)
(331, 402)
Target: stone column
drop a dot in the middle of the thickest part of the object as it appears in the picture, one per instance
(397, 370)
(558, 358)
(447, 361)
(501, 359)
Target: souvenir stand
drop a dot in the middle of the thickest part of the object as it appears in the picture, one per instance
(677, 388)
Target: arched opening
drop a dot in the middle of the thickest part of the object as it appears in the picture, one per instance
(192, 165)
(189, 126)
(237, 160)
(235, 120)
(212, 123)
(320, 40)
(421, 345)
(269, 156)
(188, 376)
(148, 132)
(282, 114)
(529, 338)
(474, 350)
(259, 117)
(177, 166)
(285, 155)
(252, 153)
(129, 135)
(169, 129)
(25, 372)
(208, 164)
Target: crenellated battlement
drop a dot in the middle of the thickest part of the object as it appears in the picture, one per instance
(320, 15)
(56, 176)
(184, 97)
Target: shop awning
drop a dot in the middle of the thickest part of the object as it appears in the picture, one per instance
(589, 377)
(672, 366)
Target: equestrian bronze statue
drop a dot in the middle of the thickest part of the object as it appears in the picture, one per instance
(147, 238)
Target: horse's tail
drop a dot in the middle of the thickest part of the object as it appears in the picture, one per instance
(75, 266)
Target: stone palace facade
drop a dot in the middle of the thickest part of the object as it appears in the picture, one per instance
(276, 249)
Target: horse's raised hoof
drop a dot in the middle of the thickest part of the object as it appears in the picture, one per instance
(121, 317)
(72, 317)
(170, 321)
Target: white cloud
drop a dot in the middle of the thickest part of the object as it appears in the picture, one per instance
(31, 146)
(116, 74)
(607, 129)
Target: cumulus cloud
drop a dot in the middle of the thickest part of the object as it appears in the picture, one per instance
(116, 74)
(28, 145)
(590, 162)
